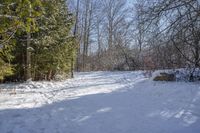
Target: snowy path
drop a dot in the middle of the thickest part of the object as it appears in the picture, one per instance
(101, 102)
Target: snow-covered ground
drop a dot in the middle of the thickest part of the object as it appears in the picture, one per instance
(101, 102)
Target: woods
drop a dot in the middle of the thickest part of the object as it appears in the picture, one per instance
(42, 40)
(104, 32)
(137, 35)
(35, 39)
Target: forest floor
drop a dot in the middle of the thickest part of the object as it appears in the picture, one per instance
(101, 102)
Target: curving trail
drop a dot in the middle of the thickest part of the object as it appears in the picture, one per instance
(101, 102)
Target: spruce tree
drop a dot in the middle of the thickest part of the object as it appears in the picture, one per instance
(55, 48)
(36, 40)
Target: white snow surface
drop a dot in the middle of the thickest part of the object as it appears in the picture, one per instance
(101, 102)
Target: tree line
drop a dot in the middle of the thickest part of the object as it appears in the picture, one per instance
(46, 39)
(142, 35)
(36, 40)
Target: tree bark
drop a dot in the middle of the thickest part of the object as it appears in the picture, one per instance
(28, 58)
(75, 34)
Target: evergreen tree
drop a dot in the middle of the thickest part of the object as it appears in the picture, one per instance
(36, 39)
(55, 48)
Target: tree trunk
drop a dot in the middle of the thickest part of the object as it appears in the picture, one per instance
(72, 67)
(28, 58)
(75, 34)
(85, 41)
